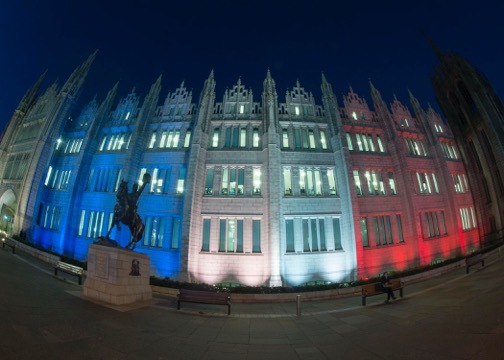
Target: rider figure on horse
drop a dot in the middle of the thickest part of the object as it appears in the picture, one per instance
(125, 210)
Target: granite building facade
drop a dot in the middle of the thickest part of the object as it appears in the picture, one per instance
(255, 190)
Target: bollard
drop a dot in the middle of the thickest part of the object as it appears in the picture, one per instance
(298, 305)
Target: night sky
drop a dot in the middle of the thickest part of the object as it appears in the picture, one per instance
(350, 41)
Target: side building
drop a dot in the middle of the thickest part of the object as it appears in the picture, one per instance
(476, 114)
(244, 190)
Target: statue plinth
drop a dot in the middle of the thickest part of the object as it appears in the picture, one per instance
(117, 276)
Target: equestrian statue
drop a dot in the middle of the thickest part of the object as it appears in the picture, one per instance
(125, 212)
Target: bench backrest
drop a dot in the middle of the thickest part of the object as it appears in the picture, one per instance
(203, 294)
(376, 288)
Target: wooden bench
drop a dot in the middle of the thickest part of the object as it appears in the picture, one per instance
(473, 260)
(9, 244)
(377, 289)
(69, 269)
(204, 297)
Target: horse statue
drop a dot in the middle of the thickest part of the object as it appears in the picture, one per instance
(125, 211)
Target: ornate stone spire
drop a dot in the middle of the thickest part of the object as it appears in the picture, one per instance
(74, 83)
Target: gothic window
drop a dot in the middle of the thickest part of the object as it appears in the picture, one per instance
(285, 138)
(364, 231)
(287, 181)
(323, 140)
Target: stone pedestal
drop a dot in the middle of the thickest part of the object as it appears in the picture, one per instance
(117, 276)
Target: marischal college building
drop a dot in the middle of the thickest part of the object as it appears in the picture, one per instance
(253, 190)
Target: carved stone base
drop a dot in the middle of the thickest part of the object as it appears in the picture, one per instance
(117, 276)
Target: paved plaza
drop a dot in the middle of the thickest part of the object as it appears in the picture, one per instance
(453, 316)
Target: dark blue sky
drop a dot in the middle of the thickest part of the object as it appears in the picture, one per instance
(350, 41)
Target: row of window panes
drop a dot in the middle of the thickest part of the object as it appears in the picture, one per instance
(104, 179)
(72, 146)
(235, 236)
(364, 142)
(382, 230)
(416, 147)
(57, 179)
(169, 139)
(468, 218)
(93, 224)
(155, 229)
(312, 234)
(232, 181)
(114, 142)
(304, 138)
(310, 181)
(375, 183)
(449, 151)
(434, 224)
(427, 183)
(160, 180)
(235, 137)
(460, 182)
(51, 217)
(15, 166)
(238, 137)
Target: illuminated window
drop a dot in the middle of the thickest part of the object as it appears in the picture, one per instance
(187, 139)
(81, 222)
(127, 116)
(140, 177)
(48, 176)
(215, 138)
(287, 181)
(349, 141)
(255, 137)
(95, 224)
(285, 138)
(180, 180)
(117, 180)
(102, 143)
(354, 115)
(296, 110)
(243, 137)
(424, 183)
(468, 218)
(323, 141)
(392, 185)
(154, 231)
(175, 140)
(231, 235)
(256, 182)
(359, 142)
(332, 182)
(311, 137)
(434, 181)
(242, 109)
(380, 145)
(358, 187)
